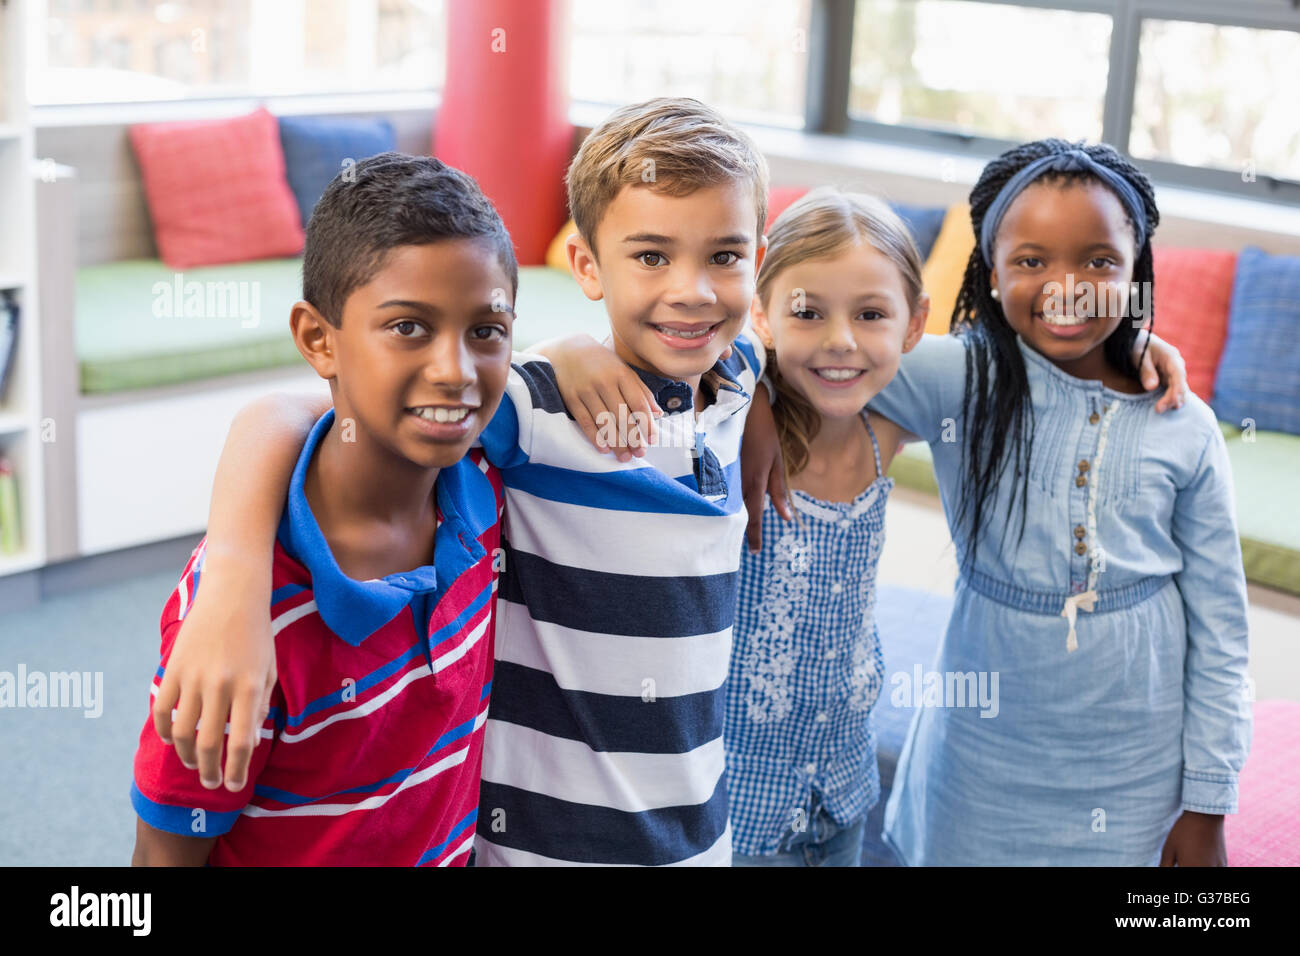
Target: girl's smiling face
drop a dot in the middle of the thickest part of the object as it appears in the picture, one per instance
(838, 326)
(1078, 235)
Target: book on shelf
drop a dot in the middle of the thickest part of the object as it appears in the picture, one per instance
(11, 541)
(9, 314)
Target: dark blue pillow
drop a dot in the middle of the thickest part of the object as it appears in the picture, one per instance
(924, 223)
(1259, 374)
(315, 148)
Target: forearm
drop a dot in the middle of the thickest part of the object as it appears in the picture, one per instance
(249, 490)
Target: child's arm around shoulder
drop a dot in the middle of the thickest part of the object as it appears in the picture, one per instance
(223, 661)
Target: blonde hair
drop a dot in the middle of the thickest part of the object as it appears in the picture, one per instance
(823, 223)
(675, 145)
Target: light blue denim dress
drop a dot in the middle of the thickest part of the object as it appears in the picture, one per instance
(806, 669)
(1130, 556)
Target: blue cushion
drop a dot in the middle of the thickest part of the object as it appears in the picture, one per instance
(924, 222)
(1259, 375)
(316, 147)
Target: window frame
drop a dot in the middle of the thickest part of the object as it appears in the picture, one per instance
(831, 47)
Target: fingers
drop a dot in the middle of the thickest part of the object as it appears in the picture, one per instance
(777, 488)
(612, 408)
(586, 421)
(641, 416)
(1147, 373)
(184, 721)
(246, 716)
(211, 737)
(168, 692)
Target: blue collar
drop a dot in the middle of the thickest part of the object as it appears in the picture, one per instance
(677, 396)
(356, 609)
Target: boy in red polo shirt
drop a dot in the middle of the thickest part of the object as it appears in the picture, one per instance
(384, 580)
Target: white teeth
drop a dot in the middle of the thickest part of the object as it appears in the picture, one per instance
(680, 334)
(1064, 320)
(837, 374)
(431, 413)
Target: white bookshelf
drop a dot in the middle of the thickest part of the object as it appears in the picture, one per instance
(20, 405)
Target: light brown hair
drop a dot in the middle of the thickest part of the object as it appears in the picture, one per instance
(674, 145)
(820, 225)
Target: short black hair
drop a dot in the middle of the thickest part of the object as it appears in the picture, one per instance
(385, 201)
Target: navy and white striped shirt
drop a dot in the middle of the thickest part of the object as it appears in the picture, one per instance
(615, 610)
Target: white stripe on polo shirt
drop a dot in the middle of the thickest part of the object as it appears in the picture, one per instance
(588, 660)
(537, 528)
(631, 782)
(604, 737)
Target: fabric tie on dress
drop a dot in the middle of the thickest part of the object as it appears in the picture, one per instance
(1087, 600)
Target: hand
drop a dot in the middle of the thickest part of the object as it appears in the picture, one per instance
(1161, 363)
(600, 389)
(762, 468)
(222, 664)
(1196, 839)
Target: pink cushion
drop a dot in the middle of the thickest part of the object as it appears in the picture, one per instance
(217, 190)
(1192, 293)
(1266, 831)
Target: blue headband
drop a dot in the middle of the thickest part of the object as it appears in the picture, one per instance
(1073, 161)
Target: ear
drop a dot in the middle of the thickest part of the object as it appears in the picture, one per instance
(759, 252)
(993, 278)
(916, 324)
(758, 319)
(316, 339)
(583, 265)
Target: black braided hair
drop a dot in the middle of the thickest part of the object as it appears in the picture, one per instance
(999, 426)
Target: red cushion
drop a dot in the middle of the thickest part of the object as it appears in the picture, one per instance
(1266, 830)
(217, 190)
(779, 198)
(1193, 290)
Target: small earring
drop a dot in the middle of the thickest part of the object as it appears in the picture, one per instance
(996, 295)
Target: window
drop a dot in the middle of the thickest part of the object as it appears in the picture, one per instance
(949, 65)
(748, 58)
(1200, 93)
(1220, 96)
(116, 51)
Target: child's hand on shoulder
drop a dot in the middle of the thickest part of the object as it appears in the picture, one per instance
(1161, 363)
(605, 396)
(1195, 840)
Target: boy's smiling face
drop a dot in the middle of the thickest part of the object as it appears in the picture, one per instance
(676, 273)
(421, 355)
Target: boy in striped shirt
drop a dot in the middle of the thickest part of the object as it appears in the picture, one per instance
(383, 576)
(604, 741)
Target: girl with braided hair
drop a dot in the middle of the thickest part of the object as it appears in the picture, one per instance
(1101, 592)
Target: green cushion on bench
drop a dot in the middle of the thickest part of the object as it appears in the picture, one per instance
(126, 338)
(1263, 475)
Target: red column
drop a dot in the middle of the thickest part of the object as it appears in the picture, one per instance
(504, 115)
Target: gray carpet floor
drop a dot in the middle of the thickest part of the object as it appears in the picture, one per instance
(65, 777)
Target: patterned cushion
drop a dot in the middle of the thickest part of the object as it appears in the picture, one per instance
(317, 147)
(217, 190)
(1259, 375)
(1193, 292)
